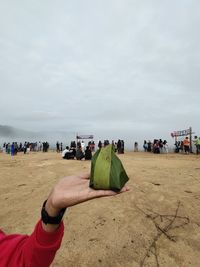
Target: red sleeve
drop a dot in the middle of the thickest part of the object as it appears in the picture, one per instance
(36, 250)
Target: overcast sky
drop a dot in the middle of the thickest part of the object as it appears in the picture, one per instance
(122, 68)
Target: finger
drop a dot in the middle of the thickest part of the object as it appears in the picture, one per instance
(85, 175)
(101, 193)
(125, 188)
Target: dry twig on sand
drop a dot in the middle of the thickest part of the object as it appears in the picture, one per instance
(170, 222)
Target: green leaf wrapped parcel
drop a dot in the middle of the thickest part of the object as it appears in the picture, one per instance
(107, 171)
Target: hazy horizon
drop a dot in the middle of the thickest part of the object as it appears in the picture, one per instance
(20, 135)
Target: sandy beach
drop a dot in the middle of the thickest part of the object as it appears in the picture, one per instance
(156, 223)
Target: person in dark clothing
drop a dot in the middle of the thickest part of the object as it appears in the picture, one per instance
(119, 146)
(100, 145)
(57, 147)
(12, 149)
(145, 146)
(78, 144)
(79, 153)
(177, 147)
(25, 148)
(149, 145)
(156, 147)
(106, 143)
(88, 153)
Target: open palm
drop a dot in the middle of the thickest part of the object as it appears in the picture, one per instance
(72, 190)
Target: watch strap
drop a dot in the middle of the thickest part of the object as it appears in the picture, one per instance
(49, 219)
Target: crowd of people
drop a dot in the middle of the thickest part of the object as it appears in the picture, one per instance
(75, 145)
(184, 146)
(117, 146)
(157, 146)
(78, 150)
(15, 147)
(77, 153)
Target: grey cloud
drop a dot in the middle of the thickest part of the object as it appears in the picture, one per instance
(129, 66)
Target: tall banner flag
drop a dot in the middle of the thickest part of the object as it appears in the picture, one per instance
(186, 132)
(181, 133)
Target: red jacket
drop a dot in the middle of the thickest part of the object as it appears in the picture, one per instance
(36, 250)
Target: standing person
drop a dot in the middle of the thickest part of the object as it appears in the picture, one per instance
(8, 148)
(25, 148)
(113, 144)
(186, 145)
(78, 143)
(106, 143)
(15, 148)
(119, 146)
(57, 147)
(93, 146)
(198, 145)
(115, 147)
(156, 147)
(83, 146)
(4, 147)
(122, 146)
(195, 142)
(40, 146)
(145, 146)
(88, 153)
(136, 147)
(43, 147)
(61, 147)
(149, 146)
(161, 145)
(181, 145)
(99, 144)
(28, 148)
(177, 147)
(12, 149)
(165, 147)
(90, 145)
(73, 145)
(39, 249)
(36, 146)
(20, 147)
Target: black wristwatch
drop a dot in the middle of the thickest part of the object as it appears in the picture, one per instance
(51, 220)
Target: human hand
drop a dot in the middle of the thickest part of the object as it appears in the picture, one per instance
(72, 190)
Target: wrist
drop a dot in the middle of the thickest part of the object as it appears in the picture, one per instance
(50, 209)
(51, 216)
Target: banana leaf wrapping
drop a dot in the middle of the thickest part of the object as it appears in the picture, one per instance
(107, 171)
